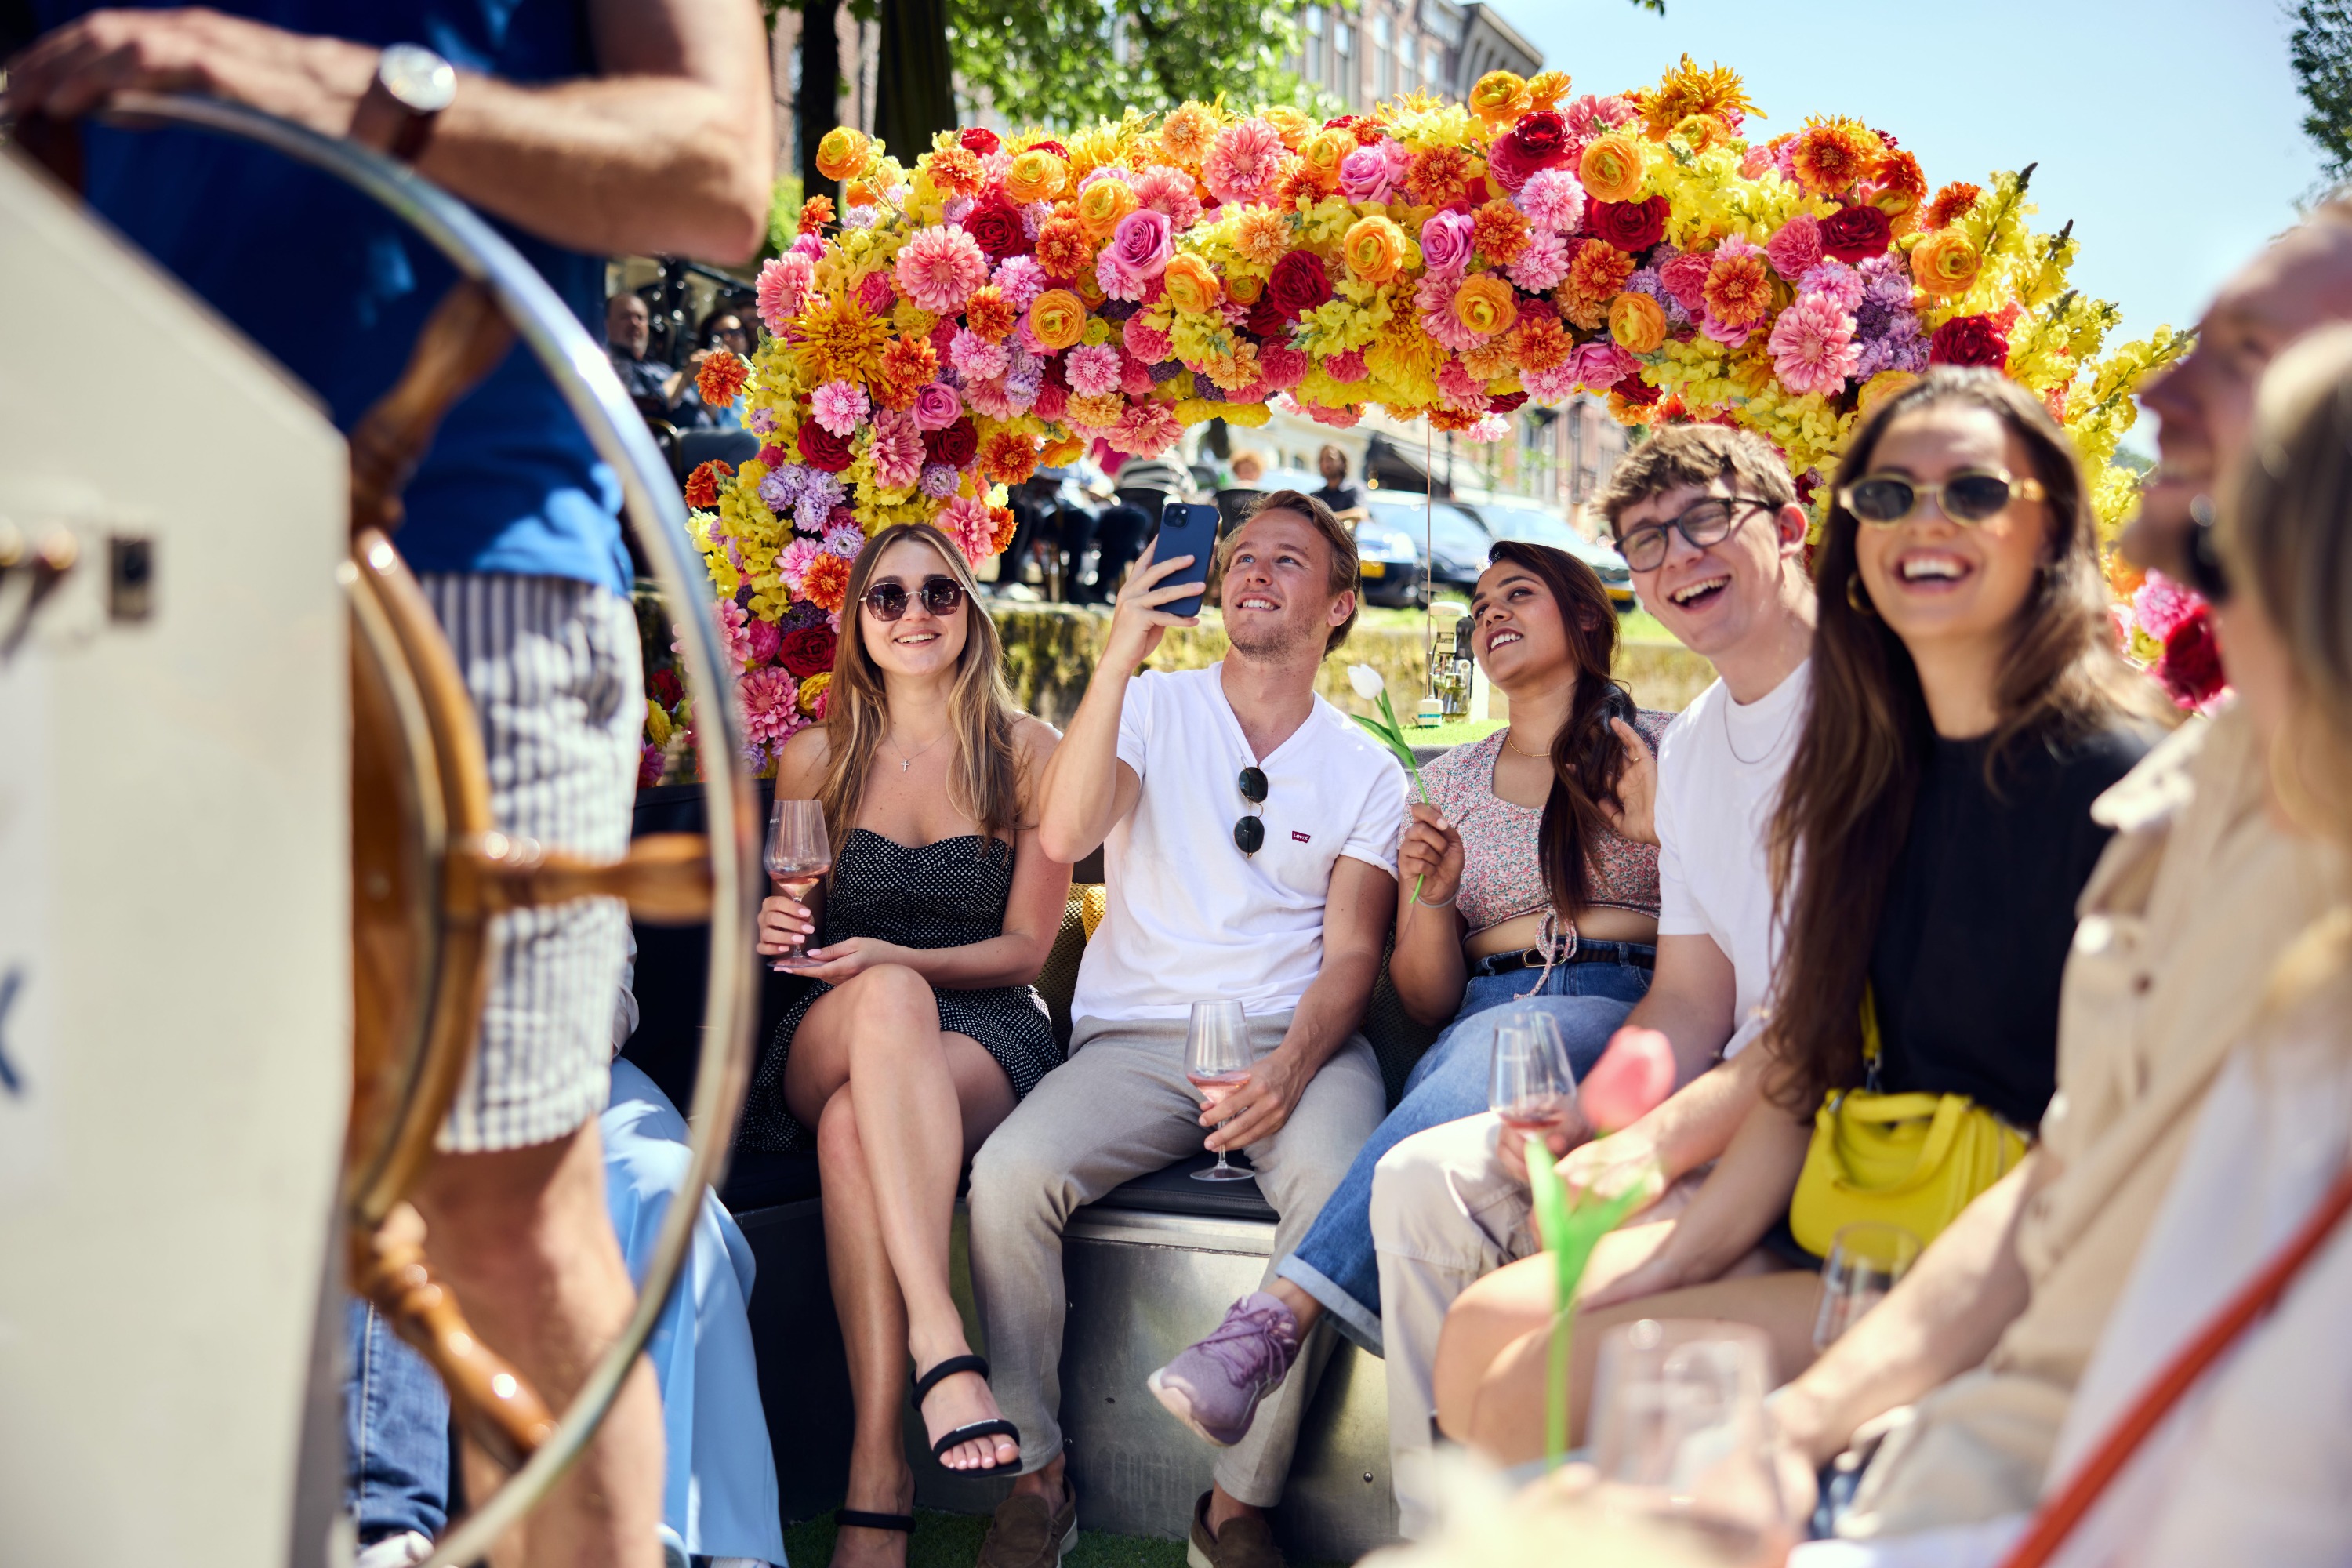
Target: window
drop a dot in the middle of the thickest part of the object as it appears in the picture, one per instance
(1432, 68)
(1383, 60)
(1343, 60)
(1313, 72)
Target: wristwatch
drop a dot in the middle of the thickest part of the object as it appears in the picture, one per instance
(413, 85)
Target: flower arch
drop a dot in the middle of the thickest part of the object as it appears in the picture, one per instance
(1005, 302)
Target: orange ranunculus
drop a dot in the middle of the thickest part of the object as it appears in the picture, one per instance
(843, 153)
(1088, 286)
(1485, 305)
(1374, 249)
(1103, 204)
(1294, 126)
(1321, 155)
(1061, 454)
(1057, 318)
(1944, 263)
(1499, 97)
(1035, 175)
(1613, 168)
(1192, 286)
(1636, 323)
(1245, 287)
(858, 194)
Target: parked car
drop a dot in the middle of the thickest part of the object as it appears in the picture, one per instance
(1448, 543)
(1515, 517)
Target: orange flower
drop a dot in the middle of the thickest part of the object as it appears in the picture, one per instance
(1436, 176)
(1880, 387)
(825, 584)
(1486, 304)
(1636, 323)
(1320, 156)
(1232, 372)
(815, 213)
(956, 171)
(1545, 88)
(1944, 263)
(1899, 190)
(1057, 318)
(1295, 127)
(1489, 357)
(1613, 168)
(1714, 92)
(989, 313)
(1539, 342)
(1035, 175)
(1373, 249)
(1262, 236)
(721, 377)
(1739, 290)
(702, 485)
(1102, 204)
(839, 341)
(908, 363)
(1065, 249)
(1953, 200)
(1006, 525)
(843, 153)
(1500, 232)
(1061, 454)
(1450, 420)
(1245, 287)
(1185, 135)
(1089, 288)
(1499, 98)
(856, 193)
(1595, 274)
(1098, 411)
(1008, 457)
(1832, 154)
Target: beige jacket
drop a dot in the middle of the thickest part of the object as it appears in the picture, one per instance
(2195, 899)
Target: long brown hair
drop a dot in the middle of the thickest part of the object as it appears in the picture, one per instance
(1844, 808)
(1587, 762)
(984, 782)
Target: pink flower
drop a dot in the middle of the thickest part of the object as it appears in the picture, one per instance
(993, 399)
(965, 519)
(733, 632)
(1813, 346)
(792, 561)
(845, 540)
(1460, 388)
(1052, 402)
(783, 285)
(1490, 429)
(1600, 366)
(1590, 118)
(2162, 606)
(1553, 200)
(1284, 367)
(771, 699)
(1135, 378)
(1144, 341)
(1834, 281)
(1684, 277)
(874, 292)
(1146, 430)
(1370, 175)
(1553, 386)
(898, 450)
(1139, 252)
(1337, 418)
(765, 639)
(1092, 368)
(1347, 367)
(936, 407)
(1432, 298)
(1633, 1076)
(1446, 242)
(1542, 265)
(1724, 333)
(937, 269)
(650, 761)
(1168, 191)
(1755, 162)
(976, 357)
(1798, 246)
(811, 243)
(1245, 163)
(1020, 279)
(840, 406)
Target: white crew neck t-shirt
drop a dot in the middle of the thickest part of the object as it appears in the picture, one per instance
(1719, 770)
(1189, 917)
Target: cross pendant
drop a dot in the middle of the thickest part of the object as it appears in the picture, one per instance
(905, 764)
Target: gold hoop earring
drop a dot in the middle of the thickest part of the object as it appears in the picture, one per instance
(1853, 596)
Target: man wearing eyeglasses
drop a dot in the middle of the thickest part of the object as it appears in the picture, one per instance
(1249, 833)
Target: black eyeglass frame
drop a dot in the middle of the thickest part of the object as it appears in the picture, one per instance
(1734, 510)
(1249, 833)
(941, 594)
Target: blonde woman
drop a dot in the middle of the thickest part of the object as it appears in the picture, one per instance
(922, 1030)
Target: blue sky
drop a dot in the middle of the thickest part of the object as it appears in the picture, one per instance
(2170, 132)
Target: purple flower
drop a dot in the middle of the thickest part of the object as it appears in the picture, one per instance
(846, 541)
(940, 480)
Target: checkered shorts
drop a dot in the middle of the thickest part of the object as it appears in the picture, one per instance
(553, 669)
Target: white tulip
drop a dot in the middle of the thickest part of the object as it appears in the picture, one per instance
(1367, 681)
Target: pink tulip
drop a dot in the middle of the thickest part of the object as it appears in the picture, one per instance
(1633, 1075)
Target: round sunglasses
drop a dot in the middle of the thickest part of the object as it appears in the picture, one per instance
(1970, 497)
(942, 597)
(1249, 833)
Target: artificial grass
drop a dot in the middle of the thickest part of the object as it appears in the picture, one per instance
(953, 1540)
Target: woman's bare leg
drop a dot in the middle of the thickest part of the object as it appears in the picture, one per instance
(874, 1332)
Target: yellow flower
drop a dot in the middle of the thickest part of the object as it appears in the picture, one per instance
(1322, 153)
(1545, 88)
(1295, 126)
(844, 153)
(1103, 204)
(812, 691)
(1035, 175)
(1374, 248)
(840, 341)
(657, 723)
(1485, 305)
(1636, 323)
(1499, 97)
(1057, 318)
(1944, 263)
(1685, 90)
(1192, 286)
(1613, 168)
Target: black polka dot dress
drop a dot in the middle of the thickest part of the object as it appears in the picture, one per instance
(951, 893)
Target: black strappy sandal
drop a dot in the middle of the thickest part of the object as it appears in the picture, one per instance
(995, 1427)
(858, 1519)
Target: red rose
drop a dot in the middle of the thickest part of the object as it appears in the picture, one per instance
(1055, 148)
(1542, 133)
(995, 223)
(1633, 389)
(1854, 234)
(1299, 284)
(955, 445)
(664, 686)
(978, 140)
(1630, 226)
(821, 448)
(1269, 319)
(806, 652)
(2192, 665)
(1507, 402)
(1510, 163)
(1969, 340)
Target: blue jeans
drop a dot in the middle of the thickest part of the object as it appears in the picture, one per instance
(1336, 1264)
(396, 1434)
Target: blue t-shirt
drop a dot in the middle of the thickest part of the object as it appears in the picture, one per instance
(337, 288)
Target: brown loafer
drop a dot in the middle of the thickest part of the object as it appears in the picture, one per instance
(1025, 1533)
(1245, 1543)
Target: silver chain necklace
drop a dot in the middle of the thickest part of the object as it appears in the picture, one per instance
(906, 762)
(1751, 762)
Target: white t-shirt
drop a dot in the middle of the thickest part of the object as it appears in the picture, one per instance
(1189, 917)
(1719, 771)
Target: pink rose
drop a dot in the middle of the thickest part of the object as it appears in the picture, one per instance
(1599, 366)
(1633, 1075)
(936, 407)
(1684, 277)
(1446, 241)
(1366, 175)
(1797, 247)
(1144, 242)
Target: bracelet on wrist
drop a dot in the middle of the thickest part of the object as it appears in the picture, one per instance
(1445, 903)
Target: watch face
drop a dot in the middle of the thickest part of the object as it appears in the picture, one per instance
(422, 81)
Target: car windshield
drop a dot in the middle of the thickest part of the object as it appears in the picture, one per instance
(1518, 519)
(1454, 532)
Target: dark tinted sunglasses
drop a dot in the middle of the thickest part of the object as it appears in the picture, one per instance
(1976, 495)
(1249, 833)
(942, 597)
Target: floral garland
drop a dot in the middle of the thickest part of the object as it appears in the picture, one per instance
(1006, 302)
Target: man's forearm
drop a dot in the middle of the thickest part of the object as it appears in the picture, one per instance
(1697, 1123)
(1331, 1008)
(1077, 799)
(1943, 1319)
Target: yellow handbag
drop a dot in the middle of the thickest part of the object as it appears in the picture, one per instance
(1911, 1160)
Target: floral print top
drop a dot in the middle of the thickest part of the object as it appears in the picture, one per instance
(1500, 878)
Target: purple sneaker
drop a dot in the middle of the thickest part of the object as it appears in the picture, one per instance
(1214, 1386)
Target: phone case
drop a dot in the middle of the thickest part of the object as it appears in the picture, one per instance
(1186, 529)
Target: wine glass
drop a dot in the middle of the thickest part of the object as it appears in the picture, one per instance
(1680, 1436)
(799, 852)
(1864, 1262)
(1217, 1062)
(1529, 1083)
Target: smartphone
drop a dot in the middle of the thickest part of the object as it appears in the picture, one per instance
(1186, 529)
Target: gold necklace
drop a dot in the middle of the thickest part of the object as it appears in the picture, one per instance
(1541, 756)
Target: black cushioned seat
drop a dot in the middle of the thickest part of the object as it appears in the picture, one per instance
(1173, 1191)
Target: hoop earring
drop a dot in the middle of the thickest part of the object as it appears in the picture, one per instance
(1853, 596)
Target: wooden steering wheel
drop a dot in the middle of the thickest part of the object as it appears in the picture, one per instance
(429, 871)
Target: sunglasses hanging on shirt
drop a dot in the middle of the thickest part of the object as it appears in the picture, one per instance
(1249, 833)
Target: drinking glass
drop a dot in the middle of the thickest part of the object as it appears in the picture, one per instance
(1680, 1436)
(1865, 1261)
(799, 852)
(1529, 1083)
(1217, 1062)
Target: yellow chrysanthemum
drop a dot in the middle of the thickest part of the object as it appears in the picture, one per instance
(812, 691)
(840, 341)
(1261, 236)
(1185, 134)
(1712, 91)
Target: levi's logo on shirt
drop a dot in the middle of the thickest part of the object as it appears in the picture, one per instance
(1302, 837)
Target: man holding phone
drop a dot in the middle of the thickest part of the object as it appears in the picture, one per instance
(1249, 834)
